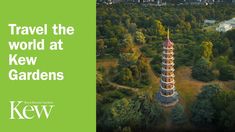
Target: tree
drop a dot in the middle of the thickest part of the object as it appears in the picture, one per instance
(132, 28)
(137, 112)
(206, 49)
(221, 45)
(100, 47)
(139, 37)
(156, 64)
(222, 100)
(142, 64)
(152, 113)
(224, 105)
(221, 61)
(177, 115)
(209, 91)
(227, 119)
(202, 70)
(227, 72)
(202, 112)
(127, 43)
(125, 112)
(100, 82)
(160, 30)
(231, 35)
(125, 76)
(99, 78)
(128, 55)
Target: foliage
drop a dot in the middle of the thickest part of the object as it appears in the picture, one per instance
(178, 115)
(160, 30)
(185, 23)
(100, 47)
(227, 72)
(139, 37)
(214, 107)
(120, 26)
(125, 76)
(131, 114)
(202, 109)
(224, 105)
(227, 119)
(202, 70)
(221, 61)
(132, 69)
(156, 64)
(203, 112)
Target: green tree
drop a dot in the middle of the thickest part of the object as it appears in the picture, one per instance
(100, 46)
(202, 70)
(122, 113)
(222, 100)
(125, 76)
(137, 112)
(156, 64)
(227, 119)
(202, 112)
(208, 91)
(178, 115)
(152, 113)
(221, 61)
(224, 105)
(132, 28)
(227, 72)
(221, 45)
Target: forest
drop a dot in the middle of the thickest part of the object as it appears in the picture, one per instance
(129, 49)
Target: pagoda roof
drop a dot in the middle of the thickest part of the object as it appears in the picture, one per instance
(168, 42)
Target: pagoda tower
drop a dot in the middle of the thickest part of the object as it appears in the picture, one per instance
(167, 95)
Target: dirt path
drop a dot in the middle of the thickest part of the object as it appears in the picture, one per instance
(118, 86)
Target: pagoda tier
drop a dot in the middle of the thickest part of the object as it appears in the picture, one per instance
(167, 96)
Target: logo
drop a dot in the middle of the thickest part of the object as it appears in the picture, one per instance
(30, 110)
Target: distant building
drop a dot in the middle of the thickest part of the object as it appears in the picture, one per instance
(226, 25)
(209, 22)
(231, 22)
(223, 27)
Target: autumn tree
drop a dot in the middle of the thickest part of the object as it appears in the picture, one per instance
(206, 49)
(160, 30)
(139, 37)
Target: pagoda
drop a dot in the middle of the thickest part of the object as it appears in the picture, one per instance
(167, 95)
